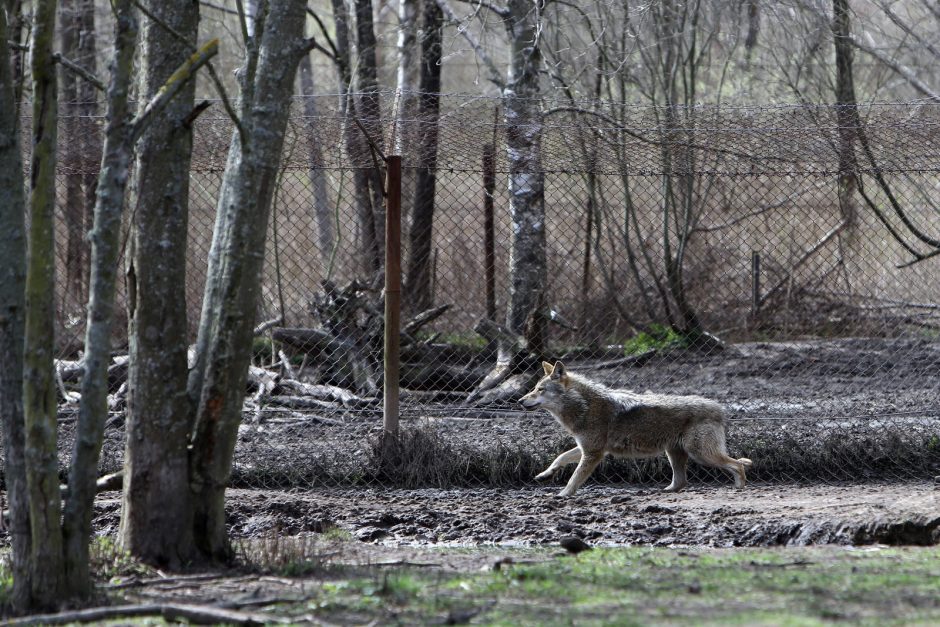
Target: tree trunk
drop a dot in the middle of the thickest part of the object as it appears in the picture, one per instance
(406, 105)
(157, 517)
(12, 312)
(355, 142)
(235, 264)
(322, 211)
(418, 281)
(846, 110)
(370, 108)
(77, 32)
(105, 245)
(523, 117)
(39, 394)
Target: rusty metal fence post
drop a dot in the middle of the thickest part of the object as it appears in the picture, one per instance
(392, 292)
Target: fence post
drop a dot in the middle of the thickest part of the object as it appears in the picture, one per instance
(755, 284)
(392, 292)
(489, 255)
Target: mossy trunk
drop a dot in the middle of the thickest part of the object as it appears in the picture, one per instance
(47, 573)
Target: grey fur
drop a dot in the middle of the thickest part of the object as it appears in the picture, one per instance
(621, 423)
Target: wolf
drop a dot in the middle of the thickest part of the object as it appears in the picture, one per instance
(627, 424)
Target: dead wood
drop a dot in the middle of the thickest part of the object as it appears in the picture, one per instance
(322, 392)
(415, 323)
(198, 614)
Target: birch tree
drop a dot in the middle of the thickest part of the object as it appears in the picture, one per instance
(233, 282)
(522, 116)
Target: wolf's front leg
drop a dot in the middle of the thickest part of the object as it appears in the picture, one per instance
(568, 457)
(586, 466)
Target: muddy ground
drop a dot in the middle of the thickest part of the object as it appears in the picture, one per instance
(717, 516)
(844, 434)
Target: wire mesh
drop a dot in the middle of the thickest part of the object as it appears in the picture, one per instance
(802, 245)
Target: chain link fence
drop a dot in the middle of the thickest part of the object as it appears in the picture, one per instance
(800, 247)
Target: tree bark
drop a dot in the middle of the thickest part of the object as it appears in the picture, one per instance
(846, 110)
(39, 393)
(104, 256)
(418, 280)
(407, 95)
(370, 108)
(322, 211)
(523, 118)
(157, 516)
(12, 314)
(234, 273)
(355, 142)
(79, 101)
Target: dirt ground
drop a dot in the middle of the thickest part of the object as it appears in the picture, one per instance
(717, 516)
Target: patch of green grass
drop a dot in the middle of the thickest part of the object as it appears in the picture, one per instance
(643, 586)
(659, 337)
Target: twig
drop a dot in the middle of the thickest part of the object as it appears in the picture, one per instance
(448, 12)
(803, 259)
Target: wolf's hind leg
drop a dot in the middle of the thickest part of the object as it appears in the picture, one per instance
(719, 459)
(678, 459)
(586, 466)
(568, 457)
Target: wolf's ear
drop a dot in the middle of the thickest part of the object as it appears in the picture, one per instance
(548, 368)
(558, 371)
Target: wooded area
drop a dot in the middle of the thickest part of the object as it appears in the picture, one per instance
(113, 96)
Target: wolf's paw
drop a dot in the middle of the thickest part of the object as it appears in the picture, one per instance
(565, 493)
(545, 474)
(674, 488)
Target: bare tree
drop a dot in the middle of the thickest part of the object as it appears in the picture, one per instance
(370, 253)
(12, 316)
(80, 149)
(418, 280)
(157, 516)
(233, 283)
(46, 560)
(370, 112)
(522, 116)
(321, 208)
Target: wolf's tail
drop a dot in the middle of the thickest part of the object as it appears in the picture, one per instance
(744, 460)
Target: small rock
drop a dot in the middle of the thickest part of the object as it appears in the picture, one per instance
(574, 545)
(620, 498)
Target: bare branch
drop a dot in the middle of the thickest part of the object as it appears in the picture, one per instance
(67, 64)
(77, 69)
(495, 75)
(173, 85)
(902, 70)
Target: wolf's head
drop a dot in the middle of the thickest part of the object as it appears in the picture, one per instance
(549, 391)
